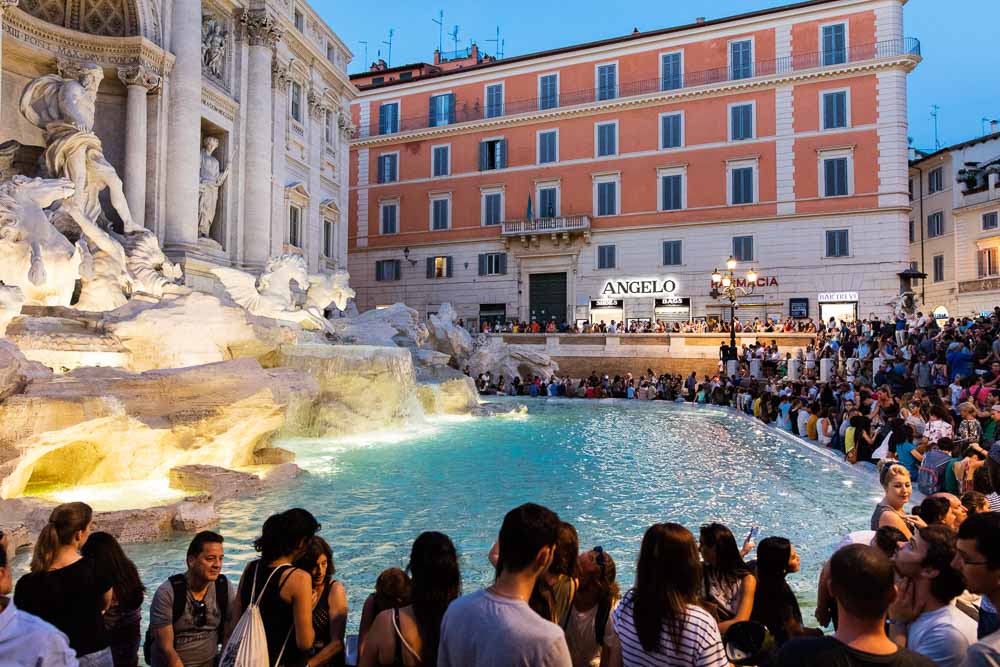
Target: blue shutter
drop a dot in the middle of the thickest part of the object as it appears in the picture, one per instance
(430, 267)
(447, 267)
(830, 178)
(482, 265)
(502, 158)
(451, 107)
(483, 148)
(829, 111)
(672, 79)
(503, 263)
(382, 120)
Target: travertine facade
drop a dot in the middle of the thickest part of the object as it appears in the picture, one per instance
(267, 80)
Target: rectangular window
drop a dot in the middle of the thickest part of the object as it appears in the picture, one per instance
(548, 91)
(295, 226)
(493, 264)
(913, 231)
(990, 220)
(329, 239)
(911, 189)
(935, 224)
(935, 180)
(388, 168)
(740, 122)
(742, 185)
(296, 101)
(439, 213)
(672, 74)
(607, 198)
(834, 44)
(607, 82)
(548, 147)
(328, 128)
(387, 269)
(741, 59)
(389, 223)
(938, 268)
(988, 262)
(835, 177)
(835, 110)
(671, 129)
(494, 100)
(743, 248)
(548, 205)
(492, 154)
(300, 21)
(492, 208)
(672, 192)
(331, 53)
(388, 118)
(605, 257)
(836, 243)
(378, 79)
(442, 110)
(607, 139)
(672, 253)
(439, 267)
(441, 158)
(404, 76)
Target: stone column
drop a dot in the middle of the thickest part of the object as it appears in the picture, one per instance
(184, 129)
(262, 35)
(317, 127)
(139, 81)
(4, 5)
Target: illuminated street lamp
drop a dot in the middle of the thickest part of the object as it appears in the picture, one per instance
(724, 286)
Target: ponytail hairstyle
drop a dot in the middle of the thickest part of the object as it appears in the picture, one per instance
(64, 523)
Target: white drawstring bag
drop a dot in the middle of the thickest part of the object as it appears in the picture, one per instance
(883, 450)
(247, 646)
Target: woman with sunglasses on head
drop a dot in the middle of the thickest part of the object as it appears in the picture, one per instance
(729, 584)
(589, 616)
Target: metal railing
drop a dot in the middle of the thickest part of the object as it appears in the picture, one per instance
(473, 110)
(573, 223)
(458, 54)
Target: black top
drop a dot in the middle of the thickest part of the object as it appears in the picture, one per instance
(321, 624)
(275, 613)
(829, 652)
(775, 611)
(72, 599)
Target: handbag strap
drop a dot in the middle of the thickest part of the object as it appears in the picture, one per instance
(253, 591)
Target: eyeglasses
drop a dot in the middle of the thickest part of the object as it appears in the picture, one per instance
(967, 561)
(200, 613)
(600, 560)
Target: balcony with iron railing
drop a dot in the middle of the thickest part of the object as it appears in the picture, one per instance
(466, 111)
(534, 226)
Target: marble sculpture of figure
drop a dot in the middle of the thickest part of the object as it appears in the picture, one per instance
(271, 294)
(328, 288)
(208, 189)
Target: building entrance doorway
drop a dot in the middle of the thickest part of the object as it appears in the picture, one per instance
(547, 297)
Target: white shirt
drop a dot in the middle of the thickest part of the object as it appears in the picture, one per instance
(944, 635)
(28, 641)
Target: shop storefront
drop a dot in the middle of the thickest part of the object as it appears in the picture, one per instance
(606, 311)
(672, 309)
(842, 306)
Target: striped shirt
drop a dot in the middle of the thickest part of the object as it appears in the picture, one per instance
(700, 642)
(994, 500)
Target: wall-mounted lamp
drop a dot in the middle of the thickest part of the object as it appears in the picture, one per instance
(406, 256)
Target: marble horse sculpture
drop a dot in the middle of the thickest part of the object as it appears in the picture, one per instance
(326, 289)
(271, 294)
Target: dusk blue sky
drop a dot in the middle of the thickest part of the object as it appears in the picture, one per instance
(958, 38)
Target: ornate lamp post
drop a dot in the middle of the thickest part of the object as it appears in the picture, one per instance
(724, 287)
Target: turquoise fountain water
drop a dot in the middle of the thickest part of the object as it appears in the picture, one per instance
(611, 468)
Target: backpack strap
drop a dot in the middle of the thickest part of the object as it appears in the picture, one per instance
(222, 602)
(179, 584)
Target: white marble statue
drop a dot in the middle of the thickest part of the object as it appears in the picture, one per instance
(213, 46)
(11, 302)
(211, 179)
(64, 110)
(34, 256)
(492, 354)
(448, 337)
(329, 288)
(271, 294)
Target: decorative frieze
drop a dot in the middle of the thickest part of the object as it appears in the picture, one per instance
(260, 28)
(214, 47)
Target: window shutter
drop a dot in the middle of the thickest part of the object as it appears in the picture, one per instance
(503, 154)
(447, 265)
(395, 269)
(381, 169)
(378, 271)
(381, 120)
(451, 107)
(483, 148)
(828, 111)
(503, 263)
(431, 116)
(482, 265)
(430, 268)
(611, 257)
(829, 178)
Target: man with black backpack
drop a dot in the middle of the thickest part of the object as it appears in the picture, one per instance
(191, 614)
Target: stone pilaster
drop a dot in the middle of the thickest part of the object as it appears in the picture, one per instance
(317, 144)
(184, 129)
(261, 32)
(4, 5)
(139, 81)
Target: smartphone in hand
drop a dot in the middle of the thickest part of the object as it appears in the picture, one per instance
(752, 535)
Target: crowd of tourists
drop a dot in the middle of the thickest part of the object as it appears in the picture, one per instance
(919, 588)
(649, 325)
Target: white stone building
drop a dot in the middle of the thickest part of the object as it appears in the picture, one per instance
(267, 79)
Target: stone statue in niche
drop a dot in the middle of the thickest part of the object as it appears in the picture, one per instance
(213, 46)
(210, 180)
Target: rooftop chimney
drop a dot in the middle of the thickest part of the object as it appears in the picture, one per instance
(700, 19)
(994, 126)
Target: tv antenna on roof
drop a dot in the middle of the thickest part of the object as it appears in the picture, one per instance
(440, 21)
(934, 114)
(366, 63)
(498, 50)
(388, 60)
(454, 36)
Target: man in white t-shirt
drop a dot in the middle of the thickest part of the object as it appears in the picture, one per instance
(924, 618)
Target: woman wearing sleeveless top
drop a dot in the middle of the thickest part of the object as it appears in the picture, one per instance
(889, 512)
(330, 613)
(285, 592)
(409, 636)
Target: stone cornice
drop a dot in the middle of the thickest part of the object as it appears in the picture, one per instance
(219, 102)
(108, 52)
(260, 28)
(638, 101)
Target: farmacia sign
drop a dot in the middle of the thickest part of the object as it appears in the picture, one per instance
(633, 289)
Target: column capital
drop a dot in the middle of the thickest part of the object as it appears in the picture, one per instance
(261, 28)
(317, 106)
(7, 4)
(280, 74)
(139, 75)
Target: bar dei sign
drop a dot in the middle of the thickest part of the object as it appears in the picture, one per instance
(638, 288)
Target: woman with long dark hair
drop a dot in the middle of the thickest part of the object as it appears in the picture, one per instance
(659, 621)
(330, 613)
(589, 617)
(409, 636)
(774, 603)
(67, 589)
(283, 592)
(124, 617)
(729, 584)
(554, 591)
